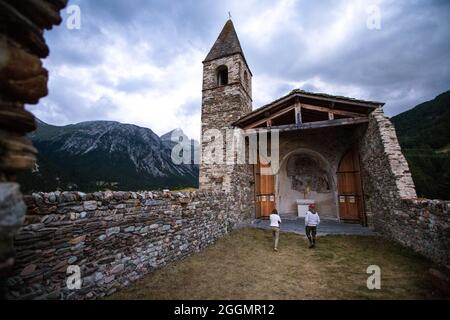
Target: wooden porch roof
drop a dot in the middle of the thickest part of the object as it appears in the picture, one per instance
(314, 102)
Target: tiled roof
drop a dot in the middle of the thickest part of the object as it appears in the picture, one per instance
(226, 44)
(312, 95)
(340, 98)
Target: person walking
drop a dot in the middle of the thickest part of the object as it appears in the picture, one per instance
(312, 220)
(275, 222)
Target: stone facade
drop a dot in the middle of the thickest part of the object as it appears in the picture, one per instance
(380, 149)
(23, 80)
(385, 172)
(391, 204)
(114, 237)
(221, 106)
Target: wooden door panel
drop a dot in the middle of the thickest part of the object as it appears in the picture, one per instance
(346, 182)
(349, 187)
(258, 209)
(257, 188)
(265, 193)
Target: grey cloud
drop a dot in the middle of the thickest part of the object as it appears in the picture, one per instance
(64, 105)
(409, 53)
(133, 85)
(403, 64)
(193, 106)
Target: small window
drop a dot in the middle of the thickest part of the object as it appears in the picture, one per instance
(222, 76)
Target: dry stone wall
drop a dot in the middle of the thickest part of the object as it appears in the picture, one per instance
(114, 237)
(392, 206)
(23, 80)
(423, 225)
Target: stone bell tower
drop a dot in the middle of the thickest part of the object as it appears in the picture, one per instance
(227, 96)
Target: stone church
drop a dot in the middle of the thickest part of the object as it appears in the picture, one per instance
(337, 152)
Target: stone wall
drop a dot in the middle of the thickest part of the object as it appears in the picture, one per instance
(385, 172)
(423, 225)
(23, 80)
(115, 238)
(221, 106)
(392, 206)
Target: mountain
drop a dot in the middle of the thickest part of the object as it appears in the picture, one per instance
(424, 135)
(178, 137)
(99, 155)
(172, 137)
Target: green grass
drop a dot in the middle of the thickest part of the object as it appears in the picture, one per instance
(243, 265)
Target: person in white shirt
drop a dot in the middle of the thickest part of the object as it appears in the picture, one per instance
(275, 222)
(312, 220)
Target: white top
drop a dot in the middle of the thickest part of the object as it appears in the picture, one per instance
(275, 220)
(311, 219)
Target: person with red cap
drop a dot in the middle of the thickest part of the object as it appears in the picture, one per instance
(312, 220)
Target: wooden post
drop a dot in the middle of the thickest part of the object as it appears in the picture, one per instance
(298, 114)
(331, 114)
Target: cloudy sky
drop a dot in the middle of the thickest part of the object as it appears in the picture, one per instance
(139, 61)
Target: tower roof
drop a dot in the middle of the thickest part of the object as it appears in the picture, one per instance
(226, 44)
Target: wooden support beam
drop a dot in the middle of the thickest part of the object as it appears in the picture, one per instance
(331, 114)
(298, 114)
(271, 117)
(334, 111)
(315, 125)
(369, 106)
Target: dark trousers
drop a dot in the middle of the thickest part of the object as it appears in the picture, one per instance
(311, 234)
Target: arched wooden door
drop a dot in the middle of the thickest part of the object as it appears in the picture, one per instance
(265, 192)
(350, 196)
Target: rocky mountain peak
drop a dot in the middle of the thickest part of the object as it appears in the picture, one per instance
(87, 154)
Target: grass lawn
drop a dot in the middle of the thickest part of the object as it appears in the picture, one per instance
(243, 265)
